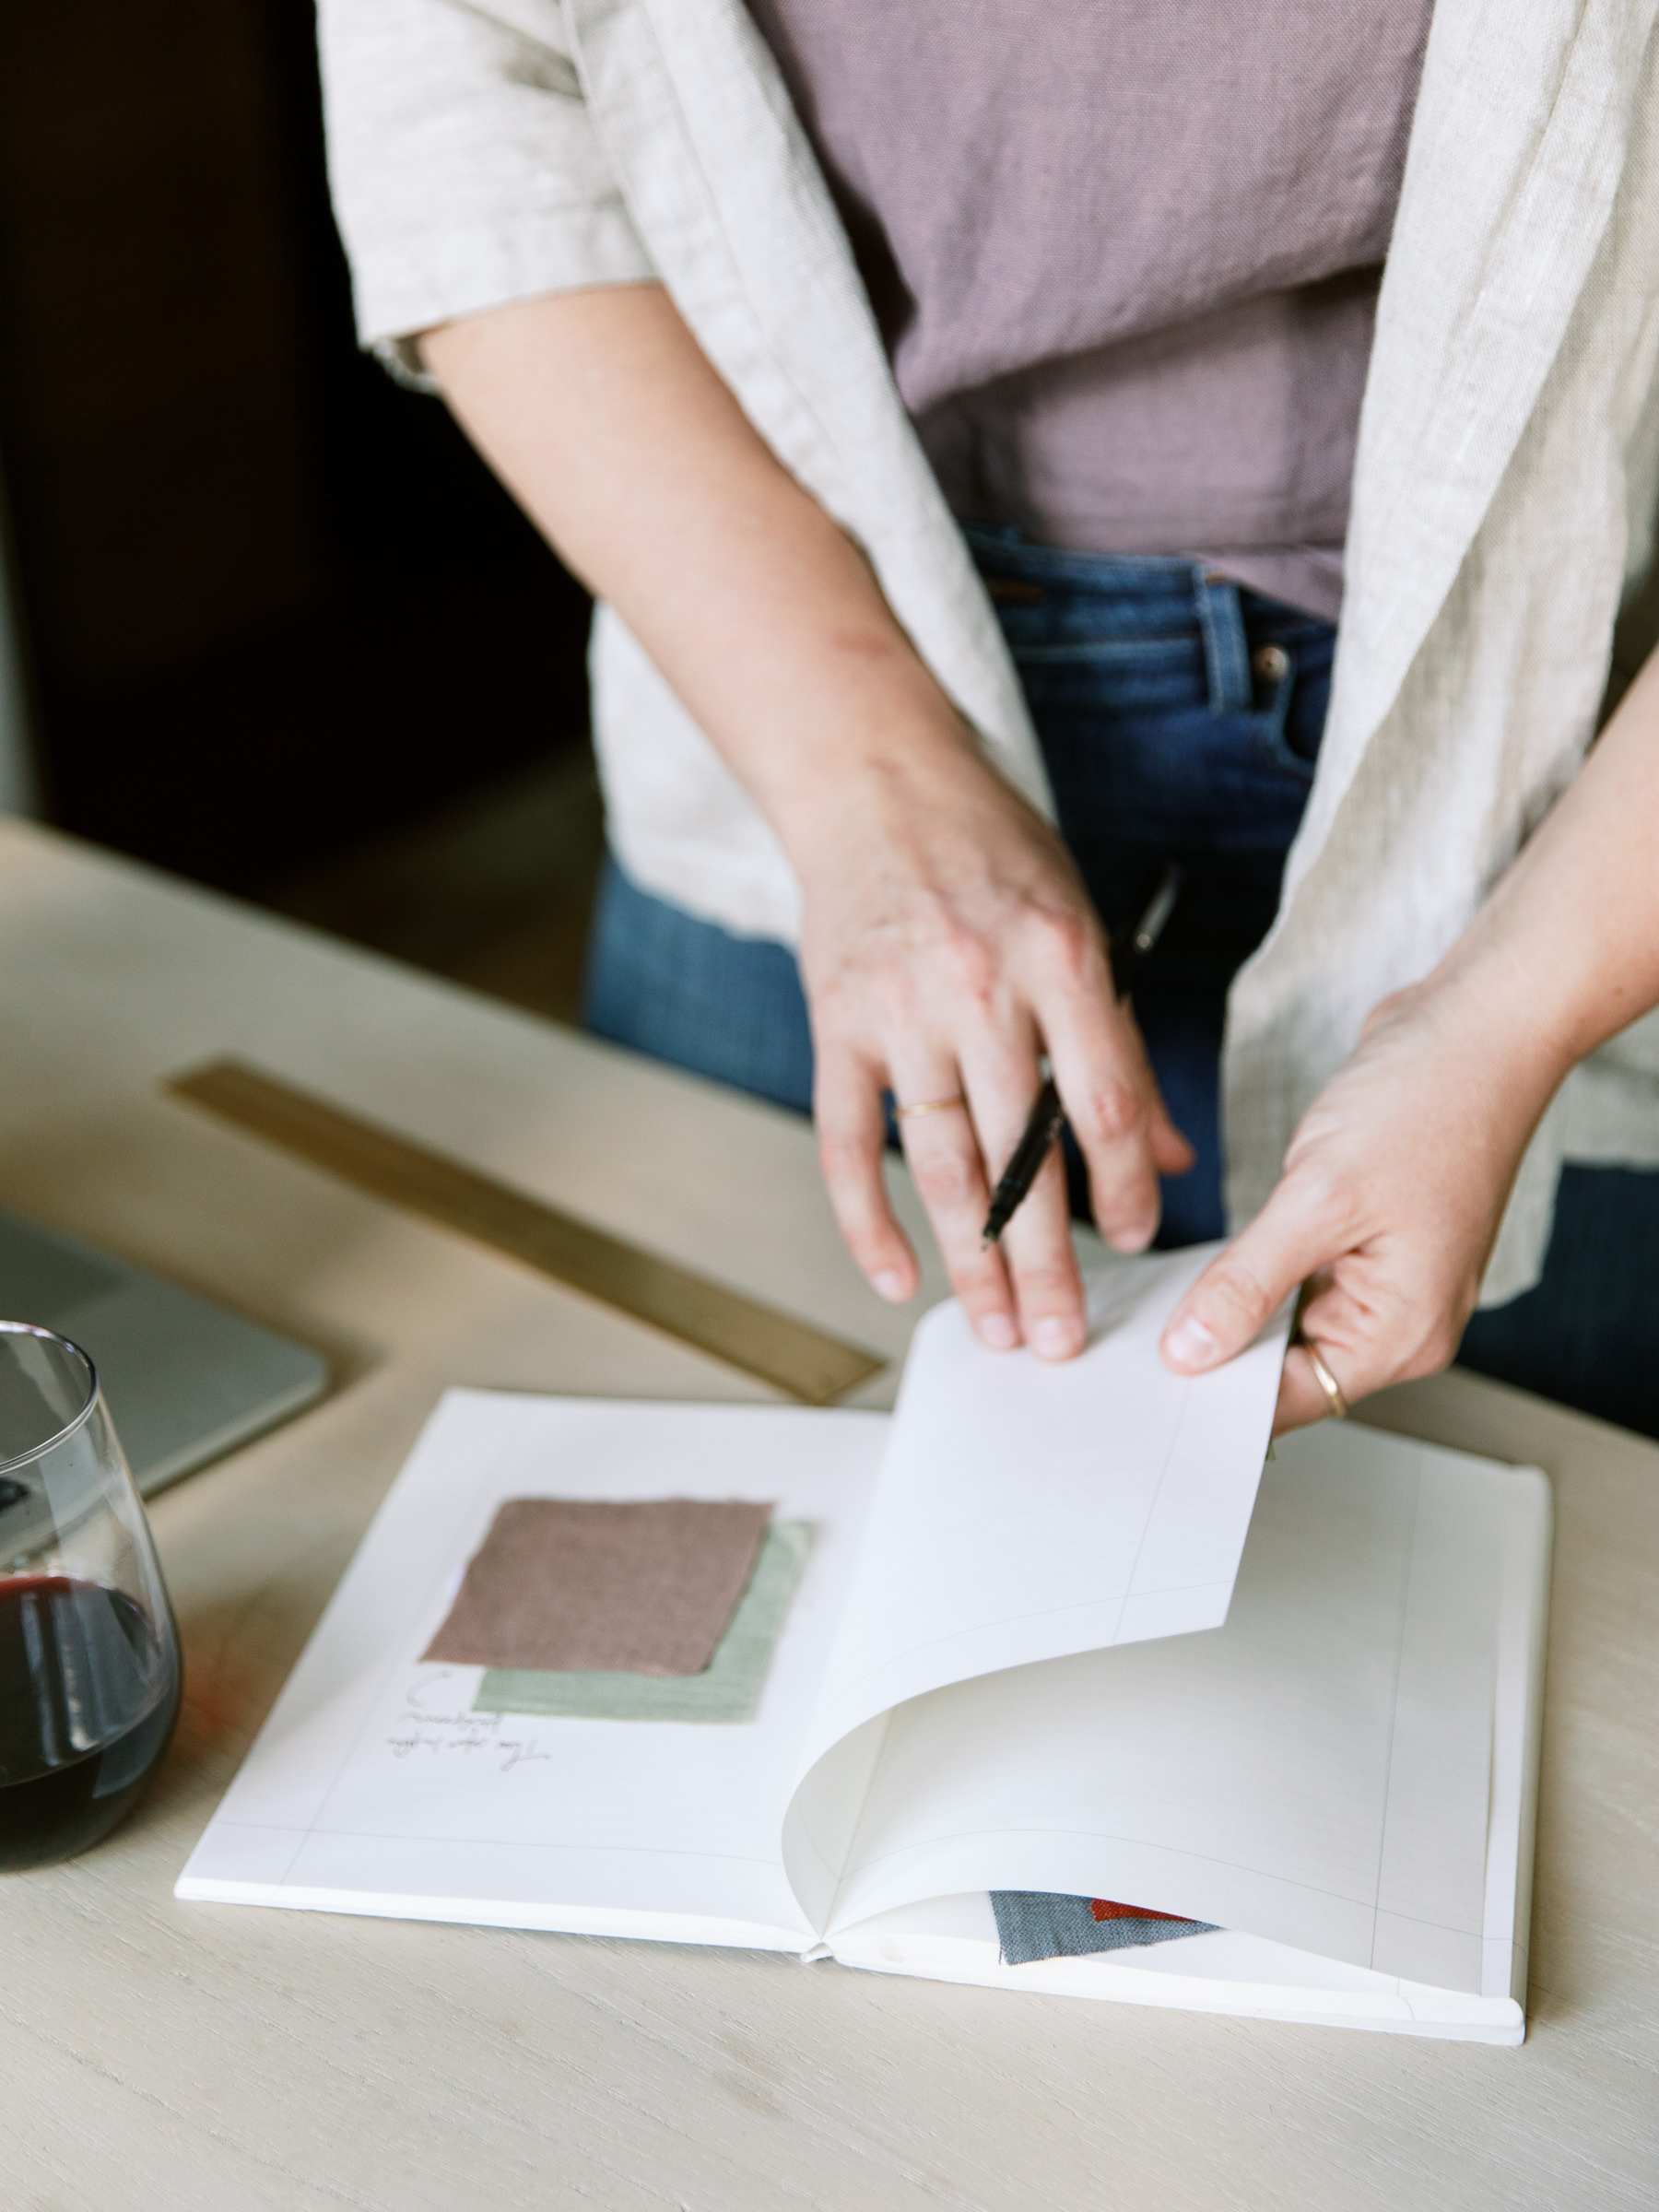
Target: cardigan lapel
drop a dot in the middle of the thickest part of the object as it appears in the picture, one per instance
(1516, 153)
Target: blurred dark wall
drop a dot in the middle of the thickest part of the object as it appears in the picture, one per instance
(272, 603)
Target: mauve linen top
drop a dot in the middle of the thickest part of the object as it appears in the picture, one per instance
(1125, 253)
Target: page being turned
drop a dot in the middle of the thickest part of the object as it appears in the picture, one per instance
(1028, 1510)
(1317, 1773)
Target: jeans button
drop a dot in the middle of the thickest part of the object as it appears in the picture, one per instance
(1270, 663)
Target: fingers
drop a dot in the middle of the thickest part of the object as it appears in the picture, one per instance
(979, 1035)
(1302, 1398)
(1043, 1264)
(1028, 1290)
(1122, 1126)
(1379, 1312)
(1171, 1154)
(852, 1133)
(1244, 1287)
(943, 1152)
(1037, 1243)
(944, 1157)
(1240, 1292)
(1366, 1312)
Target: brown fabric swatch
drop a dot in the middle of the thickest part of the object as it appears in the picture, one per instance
(568, 1585)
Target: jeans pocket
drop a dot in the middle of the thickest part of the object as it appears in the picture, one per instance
(1275, 672)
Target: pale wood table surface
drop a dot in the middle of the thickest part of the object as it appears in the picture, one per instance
(158, 2055)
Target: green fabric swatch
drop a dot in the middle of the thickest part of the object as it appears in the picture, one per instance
(727, 1689)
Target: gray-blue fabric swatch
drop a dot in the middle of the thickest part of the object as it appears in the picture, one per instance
(1035, 1923)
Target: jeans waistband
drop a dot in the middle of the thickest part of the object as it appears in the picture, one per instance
(1050, 593)
(1006, 550)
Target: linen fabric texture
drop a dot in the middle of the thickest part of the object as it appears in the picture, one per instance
(1503, 501)
(727, 1691)
(644, 1588)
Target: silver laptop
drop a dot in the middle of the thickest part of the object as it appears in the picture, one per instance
(183, 1379)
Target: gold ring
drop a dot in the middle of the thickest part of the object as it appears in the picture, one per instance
(929, 1106)
(1324, 1378)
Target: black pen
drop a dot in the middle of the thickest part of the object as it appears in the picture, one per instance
(1129, 947)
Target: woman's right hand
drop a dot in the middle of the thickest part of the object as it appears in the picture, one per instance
(947, 943)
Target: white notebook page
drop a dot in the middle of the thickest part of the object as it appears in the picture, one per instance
(373, 1787)
(1317, 1772)
(955, 1940)
(1029, 1510)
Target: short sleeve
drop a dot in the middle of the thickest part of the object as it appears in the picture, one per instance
(466, 169)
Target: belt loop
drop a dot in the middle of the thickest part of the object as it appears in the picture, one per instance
(1226, 649)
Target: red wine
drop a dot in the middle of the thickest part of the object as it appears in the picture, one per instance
(88, 1695)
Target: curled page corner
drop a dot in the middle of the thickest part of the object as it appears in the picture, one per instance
(1030, 1511)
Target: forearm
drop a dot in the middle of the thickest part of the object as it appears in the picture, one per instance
(947, 939)
(604, 419)
(1565, 953)
(1395, 1182)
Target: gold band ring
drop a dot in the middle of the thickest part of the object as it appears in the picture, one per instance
(902, 1114)
(1324, 1378)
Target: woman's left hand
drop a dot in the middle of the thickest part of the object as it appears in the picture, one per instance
(1395, 1183)
(1390, 1200)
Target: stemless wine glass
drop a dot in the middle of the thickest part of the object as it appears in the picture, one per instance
(88, 1652)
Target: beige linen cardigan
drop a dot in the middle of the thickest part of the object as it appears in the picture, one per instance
(1508, 467)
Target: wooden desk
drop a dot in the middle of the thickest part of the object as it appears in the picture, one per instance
(166, 2057)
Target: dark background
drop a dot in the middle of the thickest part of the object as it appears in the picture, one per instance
(272, 604)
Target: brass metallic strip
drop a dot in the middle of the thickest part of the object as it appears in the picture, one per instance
(788, 1354)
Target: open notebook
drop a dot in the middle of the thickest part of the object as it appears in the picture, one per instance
(1030, 1649)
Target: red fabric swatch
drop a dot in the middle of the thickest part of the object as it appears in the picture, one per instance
(1102, 1908)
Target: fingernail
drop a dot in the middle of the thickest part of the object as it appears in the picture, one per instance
(1133, 1239)
(997, 1332)
(1190, 1344)
(1053, 1338)
(889, 1284)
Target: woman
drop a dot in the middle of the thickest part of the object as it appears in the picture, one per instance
(1112, 295)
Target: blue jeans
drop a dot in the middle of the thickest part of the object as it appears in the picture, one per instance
(1180, 716)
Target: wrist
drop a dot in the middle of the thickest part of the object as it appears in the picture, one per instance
(884, 792)
(1514, 1035)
